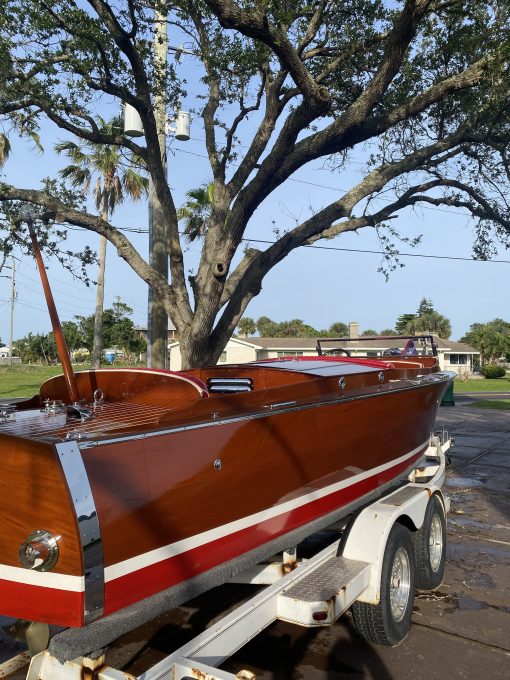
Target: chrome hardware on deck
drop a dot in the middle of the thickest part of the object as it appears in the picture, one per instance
(78, 410)
(53, 406)
(7, 411)
(98, 397)
(224, 385)
(279, 404)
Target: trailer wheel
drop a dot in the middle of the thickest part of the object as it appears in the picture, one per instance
(388, 622)
(430, 547)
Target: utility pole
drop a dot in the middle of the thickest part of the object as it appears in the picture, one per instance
(11, 325)
(157, 321)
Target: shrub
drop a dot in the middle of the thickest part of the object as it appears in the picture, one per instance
(494, 372)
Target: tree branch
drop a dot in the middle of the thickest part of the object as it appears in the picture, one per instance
(61, 213)
(256, 25)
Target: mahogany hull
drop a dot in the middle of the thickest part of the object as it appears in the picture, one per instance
(176, 500)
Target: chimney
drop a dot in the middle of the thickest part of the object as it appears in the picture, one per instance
(353, 329)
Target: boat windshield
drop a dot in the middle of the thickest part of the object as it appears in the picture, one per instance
(379, 347)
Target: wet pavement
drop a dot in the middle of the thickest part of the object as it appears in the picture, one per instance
(460, 631)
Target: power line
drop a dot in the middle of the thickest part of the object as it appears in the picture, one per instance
(382, 252)
(56, 289)
(246, 146)
(330, 188)
(24, 304)
(353, 250)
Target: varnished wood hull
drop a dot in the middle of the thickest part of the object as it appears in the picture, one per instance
(177, 498)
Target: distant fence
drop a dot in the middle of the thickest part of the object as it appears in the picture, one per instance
(6, 360)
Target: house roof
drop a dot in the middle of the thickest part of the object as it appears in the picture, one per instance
(366, 342)
(143, 329)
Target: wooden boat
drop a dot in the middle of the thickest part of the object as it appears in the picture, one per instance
(125, 487)
(168, 476)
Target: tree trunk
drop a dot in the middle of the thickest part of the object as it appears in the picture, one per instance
(198, 348)
(97, 349)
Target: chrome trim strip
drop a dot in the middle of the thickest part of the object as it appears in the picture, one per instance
(386, 389)
(82, 498)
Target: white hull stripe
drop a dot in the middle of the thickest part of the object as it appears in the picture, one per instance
(43, 579)
(77, 583)
(172, 550)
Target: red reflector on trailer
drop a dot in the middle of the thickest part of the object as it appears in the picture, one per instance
(320, 616)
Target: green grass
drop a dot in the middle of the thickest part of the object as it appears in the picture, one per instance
(482, 385)
(498, 404)
(24, 381)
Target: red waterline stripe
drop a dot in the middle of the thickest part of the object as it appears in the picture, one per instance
(152, 579)
(39, 603)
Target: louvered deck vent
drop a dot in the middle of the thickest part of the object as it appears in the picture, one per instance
(223, 385)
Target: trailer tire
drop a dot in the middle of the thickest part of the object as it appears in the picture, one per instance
(388, 622)
(430, 547)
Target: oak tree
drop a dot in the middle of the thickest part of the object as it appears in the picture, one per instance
(417, 88)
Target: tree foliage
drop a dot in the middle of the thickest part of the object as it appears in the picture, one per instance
(196, 212)
(338, 329)
(426, 320)
(425, 307)
(246, 326)
(429, 320)
(421, 86)
(118, 332)
(402, 323)
(52, 237)
(491, 339)
(295, 328)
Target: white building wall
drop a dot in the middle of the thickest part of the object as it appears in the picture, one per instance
(236, 353)
(175, 361)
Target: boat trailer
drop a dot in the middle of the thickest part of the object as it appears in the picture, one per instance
(351, 571)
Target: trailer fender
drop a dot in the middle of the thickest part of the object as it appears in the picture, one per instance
(369, 533)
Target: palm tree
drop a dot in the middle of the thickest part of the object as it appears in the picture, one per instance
(430, 322)
(196, 212)
(116, 177)
(246, 326)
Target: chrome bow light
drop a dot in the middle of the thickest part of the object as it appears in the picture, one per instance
(39, 551)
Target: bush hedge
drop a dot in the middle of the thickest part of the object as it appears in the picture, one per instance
(494, 372)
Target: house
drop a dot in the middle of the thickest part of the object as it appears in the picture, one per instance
(5, 359)
(453, 356)
(141, 331)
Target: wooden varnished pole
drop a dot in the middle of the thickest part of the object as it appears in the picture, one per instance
(62, 350)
